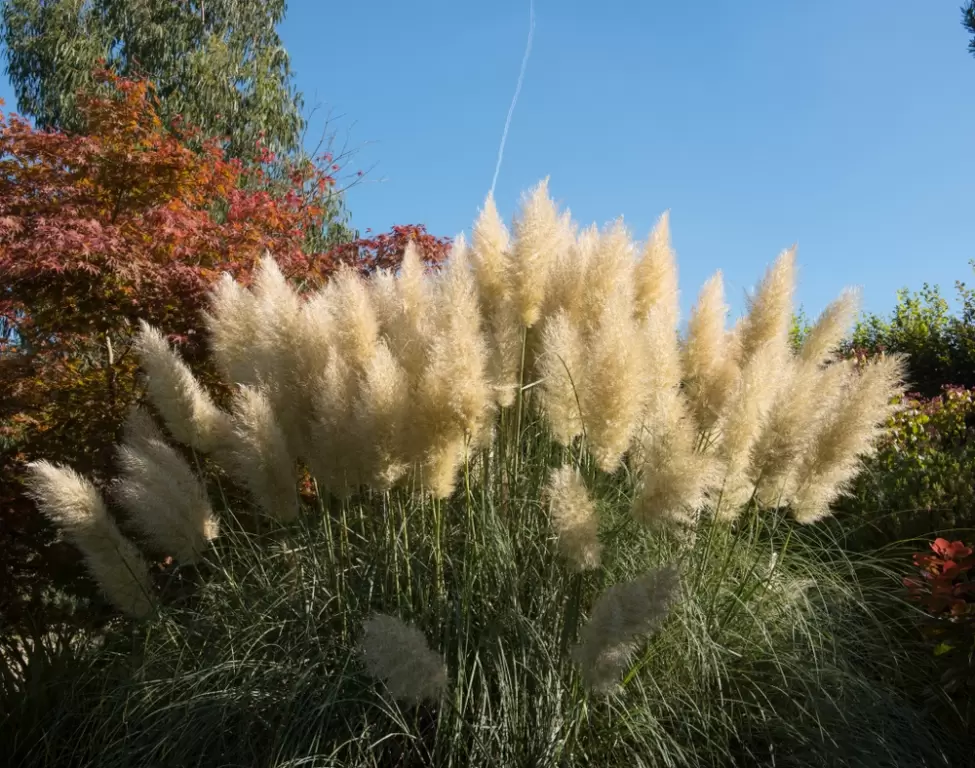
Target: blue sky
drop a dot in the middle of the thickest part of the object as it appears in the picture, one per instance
(845, 126)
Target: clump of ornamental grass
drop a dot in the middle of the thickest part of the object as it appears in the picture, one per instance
(549, 530)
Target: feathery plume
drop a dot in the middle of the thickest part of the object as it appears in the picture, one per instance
(567, 283)
(280, 352)
(258, 456)
(73, 504)
(709, 364)
(770, 310)
(357, 329)
(613, 385)
(673, 476)
(453, 397)
(490, 256)
(335, 458)
(758, 387)
(830, 329)
(504, 353)
(165, 500)
(656, 275)
(560, 367)
(491, 263)
(454, 388)
(539, 236)
(607, 274)
(384, 410)
(408, 329)
(574, 518)
(621, 617)
(811, 393)
(398, 655)
(847, 435)
(279, 312)
(233, 326)
(190, 414)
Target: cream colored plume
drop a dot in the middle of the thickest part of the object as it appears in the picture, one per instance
(76, 508)
(560, 369)
(710, 367)
(539, 236)
(758, 386)
(673, 475)
(164, 499)
(574, 518)
(847, 435)
(811, 392)
(607, 274)
(656, 275)
(567, 287)
(490, 257)
(356, 331)
(233, 326)
(281, 352)
(613, 382)
(491, 262)
(831, 329)
(190, 414)
(384, 411)
(258, 455)
(770, 309)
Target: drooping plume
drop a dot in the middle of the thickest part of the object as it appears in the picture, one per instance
(398, 655)
(622, 616)
(164, 499)
(847, 435)
(74, 505)
(190, 414)
(574, 518)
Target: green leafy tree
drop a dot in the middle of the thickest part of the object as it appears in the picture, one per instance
(968, 21)
(218, 63)
(939, 343)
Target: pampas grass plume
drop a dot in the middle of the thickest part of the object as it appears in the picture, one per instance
(770, 309)
(574, 518)
(622, 616)
(539, 233)
(258, 455)
(560, 366)
(74, 505)
(656, 275)
(165, 500)
(847, 435)
(190, 414)
(398, 655)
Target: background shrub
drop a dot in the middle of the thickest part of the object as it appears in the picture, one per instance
(922, 479)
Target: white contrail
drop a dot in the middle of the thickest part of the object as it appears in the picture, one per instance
(521, 79)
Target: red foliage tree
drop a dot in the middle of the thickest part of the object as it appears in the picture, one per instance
(386, 251)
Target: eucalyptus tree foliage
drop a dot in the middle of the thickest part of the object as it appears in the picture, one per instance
(218, 63)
